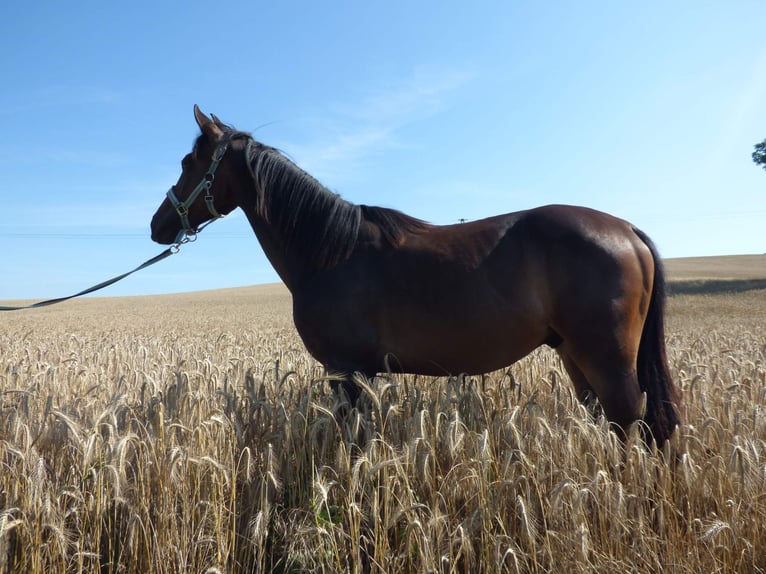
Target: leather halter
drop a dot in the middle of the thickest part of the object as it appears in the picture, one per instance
(188, 233)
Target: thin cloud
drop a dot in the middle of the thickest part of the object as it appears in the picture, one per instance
(120, 206)
(425, 93)
(368, 124)
(119, 209)
(57, 97)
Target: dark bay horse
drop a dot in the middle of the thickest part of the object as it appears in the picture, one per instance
(374, 288)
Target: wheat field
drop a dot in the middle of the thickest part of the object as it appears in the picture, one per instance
(193, 433)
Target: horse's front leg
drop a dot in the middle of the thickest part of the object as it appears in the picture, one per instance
(344, 384)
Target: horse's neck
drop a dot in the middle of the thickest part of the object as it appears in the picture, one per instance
(267, 235)
(301, 226)
(286, 267)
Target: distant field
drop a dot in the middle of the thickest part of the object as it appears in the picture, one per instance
(726, 267)
(727, 274)
(194, 433)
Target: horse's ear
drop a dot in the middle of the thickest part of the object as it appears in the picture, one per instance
(206, 125)
(217, 121)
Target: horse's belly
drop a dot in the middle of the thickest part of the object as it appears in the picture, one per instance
(463, 325)
(452, 346)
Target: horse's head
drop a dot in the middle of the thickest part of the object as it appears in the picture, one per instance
(203, 192)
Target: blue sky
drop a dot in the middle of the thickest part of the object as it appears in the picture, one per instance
(445, 110)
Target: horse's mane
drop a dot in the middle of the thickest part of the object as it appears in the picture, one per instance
(313, 221)
(393, 224)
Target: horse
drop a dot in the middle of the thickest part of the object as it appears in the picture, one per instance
(375, 290)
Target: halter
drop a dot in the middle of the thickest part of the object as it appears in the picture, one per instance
(189, 233)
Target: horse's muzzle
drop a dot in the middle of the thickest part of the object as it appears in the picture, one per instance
(164, 232)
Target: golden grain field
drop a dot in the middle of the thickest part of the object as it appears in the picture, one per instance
(193, 433)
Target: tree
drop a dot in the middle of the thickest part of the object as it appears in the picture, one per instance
(759, 155)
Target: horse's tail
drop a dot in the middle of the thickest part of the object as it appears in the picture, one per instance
(662, 396)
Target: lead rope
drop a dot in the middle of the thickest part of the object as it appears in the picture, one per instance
(156, 259)
(186, 235)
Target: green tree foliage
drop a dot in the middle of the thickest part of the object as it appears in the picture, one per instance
(759, 155)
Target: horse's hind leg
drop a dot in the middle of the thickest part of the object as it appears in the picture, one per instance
(583, 389)
(608, 371)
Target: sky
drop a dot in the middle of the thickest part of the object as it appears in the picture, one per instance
(444, 110)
